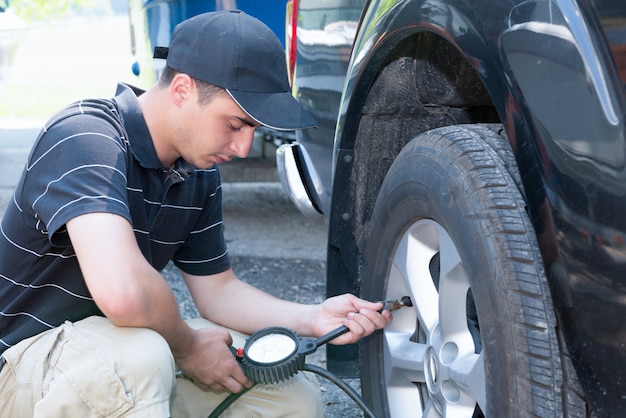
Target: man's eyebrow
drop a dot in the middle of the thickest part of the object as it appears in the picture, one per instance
(247, 121)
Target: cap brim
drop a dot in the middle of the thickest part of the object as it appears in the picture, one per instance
(280, 111)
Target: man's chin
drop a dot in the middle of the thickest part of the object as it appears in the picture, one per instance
(201, 165)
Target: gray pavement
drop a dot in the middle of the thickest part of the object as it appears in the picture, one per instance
(272, 245)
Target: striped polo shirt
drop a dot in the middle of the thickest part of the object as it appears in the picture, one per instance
(98, 156)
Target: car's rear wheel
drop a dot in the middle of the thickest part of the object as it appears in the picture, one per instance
(450, 230)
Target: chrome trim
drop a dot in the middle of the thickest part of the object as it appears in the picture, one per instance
(292, 181)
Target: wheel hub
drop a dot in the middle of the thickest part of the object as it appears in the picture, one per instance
(432, 369)
(437, 360)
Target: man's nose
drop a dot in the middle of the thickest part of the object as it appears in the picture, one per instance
(240, 147)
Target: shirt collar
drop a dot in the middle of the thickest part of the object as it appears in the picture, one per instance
(138, 134)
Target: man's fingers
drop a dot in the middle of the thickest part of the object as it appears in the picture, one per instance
(233, 385)
(230, 385)
(366, 321)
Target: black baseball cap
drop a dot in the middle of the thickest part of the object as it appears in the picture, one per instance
(239, 53)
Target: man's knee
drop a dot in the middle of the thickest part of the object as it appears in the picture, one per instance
(141, 358)
(92, 367)
(143, 350)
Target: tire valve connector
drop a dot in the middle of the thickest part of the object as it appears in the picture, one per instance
(394, 304)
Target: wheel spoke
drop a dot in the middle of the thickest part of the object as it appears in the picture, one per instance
(404, 366)
(404, 359)
(411, 271)
(460, 365)
(461, 410)
(403, 399)
(430, 411)
(468, 372)
(453, 287)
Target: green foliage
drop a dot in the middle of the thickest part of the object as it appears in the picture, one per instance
(38, 10)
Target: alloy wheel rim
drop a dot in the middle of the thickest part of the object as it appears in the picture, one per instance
(430, 357)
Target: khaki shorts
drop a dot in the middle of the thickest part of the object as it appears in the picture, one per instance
(91, 368)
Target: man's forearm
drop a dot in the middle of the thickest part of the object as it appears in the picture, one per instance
(232, 303)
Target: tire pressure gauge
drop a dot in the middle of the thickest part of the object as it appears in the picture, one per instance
(273, 354)
(272, 346)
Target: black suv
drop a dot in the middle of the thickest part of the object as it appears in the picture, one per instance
(471, 155)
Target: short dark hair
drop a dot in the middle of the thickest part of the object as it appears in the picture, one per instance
(206, 91)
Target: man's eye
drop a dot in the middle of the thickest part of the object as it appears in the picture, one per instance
(234, 128)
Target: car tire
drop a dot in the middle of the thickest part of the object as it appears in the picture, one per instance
(450, 230)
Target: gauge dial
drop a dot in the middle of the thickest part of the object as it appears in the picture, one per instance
(271, 348)
(271, 355)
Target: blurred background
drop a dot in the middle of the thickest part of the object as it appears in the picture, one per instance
(53, 52)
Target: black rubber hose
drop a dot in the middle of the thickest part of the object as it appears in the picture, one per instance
(223, 406)
(343, 386)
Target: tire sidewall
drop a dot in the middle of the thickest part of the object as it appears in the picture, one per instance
(426, 184)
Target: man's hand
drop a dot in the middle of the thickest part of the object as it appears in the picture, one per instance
(210, 363)
(361, 317)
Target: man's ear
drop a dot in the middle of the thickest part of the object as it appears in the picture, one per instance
(181, 88)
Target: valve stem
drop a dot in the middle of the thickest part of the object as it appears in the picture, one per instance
(394, 304)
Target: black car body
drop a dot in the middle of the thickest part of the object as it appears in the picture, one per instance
(514, 173)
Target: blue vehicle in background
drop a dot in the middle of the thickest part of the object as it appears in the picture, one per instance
(152, 23)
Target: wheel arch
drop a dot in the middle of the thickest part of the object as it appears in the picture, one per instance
(399, 94)
(411, 79)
